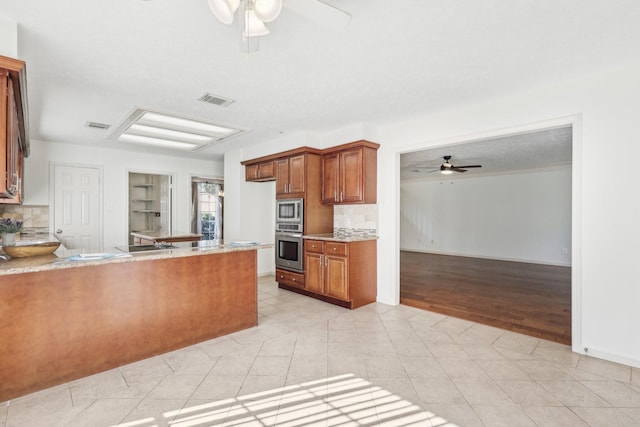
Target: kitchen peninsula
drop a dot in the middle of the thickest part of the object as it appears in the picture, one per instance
(61, 320)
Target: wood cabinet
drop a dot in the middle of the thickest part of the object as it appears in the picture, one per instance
(260, 171)
(14, 143)
(290, 176)
(298, 174)
(62, 324)
(349, 173)
(290, 278)
(343, 273)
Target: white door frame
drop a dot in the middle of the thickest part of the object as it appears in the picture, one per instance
(52, 184)
(174, 194)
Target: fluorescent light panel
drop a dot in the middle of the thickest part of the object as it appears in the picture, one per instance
(145, 130)
(177, 122)
(151, 128)
(139, 139)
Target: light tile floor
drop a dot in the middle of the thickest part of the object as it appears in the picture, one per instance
(312, 363)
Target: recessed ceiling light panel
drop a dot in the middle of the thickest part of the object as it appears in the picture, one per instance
(171, 131)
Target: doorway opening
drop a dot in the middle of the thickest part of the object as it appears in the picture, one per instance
(150, 204)
(492, 244)
(207, 207)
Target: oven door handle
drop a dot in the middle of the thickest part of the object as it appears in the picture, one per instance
(280, 233)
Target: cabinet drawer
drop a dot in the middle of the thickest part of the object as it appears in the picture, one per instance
(314, 246)
(290, 278)
(335, 248)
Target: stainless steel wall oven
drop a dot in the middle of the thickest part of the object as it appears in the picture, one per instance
(289, 251)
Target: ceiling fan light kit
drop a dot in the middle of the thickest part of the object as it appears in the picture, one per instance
(253, 27)
(255, 14)
(267, 10)
(224, 9)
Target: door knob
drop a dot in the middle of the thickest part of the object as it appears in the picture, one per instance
(59, 231)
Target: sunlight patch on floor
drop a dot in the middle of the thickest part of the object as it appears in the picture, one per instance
(343, 400)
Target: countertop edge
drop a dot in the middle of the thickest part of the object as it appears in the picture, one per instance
(340, 238)
(54, 262)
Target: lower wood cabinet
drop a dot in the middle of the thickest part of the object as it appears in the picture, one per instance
(290, 278)
(342, 273)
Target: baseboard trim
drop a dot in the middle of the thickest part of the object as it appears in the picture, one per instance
(611, 357)
(528, 261)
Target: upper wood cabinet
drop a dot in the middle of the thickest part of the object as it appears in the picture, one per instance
(260, 171)
(298, 174)
(14, 142)
(290, 176)
(349, 173)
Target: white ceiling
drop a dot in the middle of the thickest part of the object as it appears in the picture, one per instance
(97, 60)
(542, 149)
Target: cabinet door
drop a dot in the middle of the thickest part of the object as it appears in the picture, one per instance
(313, 273)
(10, 152)
(336, 285)
(4, 136)
(282, 176)
(259, 171)
(330, 171)
(251, 172)
(351, 176)
(296, 174)
(265, 170)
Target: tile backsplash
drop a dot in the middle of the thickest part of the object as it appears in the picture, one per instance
(33, 216)
(356, 217)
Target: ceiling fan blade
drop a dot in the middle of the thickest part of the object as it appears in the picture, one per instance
(320, 12)
(422, 170)
(469, 166)
(457, 169)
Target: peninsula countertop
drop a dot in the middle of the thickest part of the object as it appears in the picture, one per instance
(62, 258)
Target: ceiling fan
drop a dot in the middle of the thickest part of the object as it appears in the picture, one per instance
(447, 168)
(255, 13)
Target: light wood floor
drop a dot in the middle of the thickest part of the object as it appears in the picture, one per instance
(532, 299)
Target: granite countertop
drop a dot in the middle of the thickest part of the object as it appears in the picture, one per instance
(340, 237)
(68, 258)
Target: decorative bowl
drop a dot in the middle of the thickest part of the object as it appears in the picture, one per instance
(31, 249)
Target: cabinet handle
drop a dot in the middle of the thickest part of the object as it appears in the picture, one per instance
(293, 280)
(341, 196)
(335, 196)
(281, 276)
(335, 249)
(289, 188)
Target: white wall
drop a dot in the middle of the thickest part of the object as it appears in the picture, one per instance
(522, 216)
(249, 210)
(116, 165)
(8, 38)
(605, 236)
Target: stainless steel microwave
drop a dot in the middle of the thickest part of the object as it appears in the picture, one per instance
(289, 211)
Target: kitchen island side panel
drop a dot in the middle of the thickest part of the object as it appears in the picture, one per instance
(61, 325)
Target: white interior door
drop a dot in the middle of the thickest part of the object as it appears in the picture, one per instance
(77, 217)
